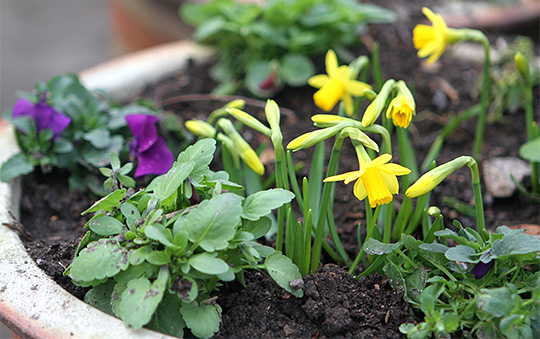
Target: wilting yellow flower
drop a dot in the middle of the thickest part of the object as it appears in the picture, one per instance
(375, 179)
(432, 40)
(336, 86)
(432, 178)
(402, 107)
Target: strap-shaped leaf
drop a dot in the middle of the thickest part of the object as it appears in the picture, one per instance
(263, 202)
(213, 223)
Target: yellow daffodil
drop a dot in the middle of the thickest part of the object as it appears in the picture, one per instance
(241, 146)
(375, 179)
(336, 85)
(432, 40)
(402, 107)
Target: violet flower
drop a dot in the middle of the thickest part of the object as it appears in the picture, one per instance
(44, 115)
(150, 149)
(482, 268)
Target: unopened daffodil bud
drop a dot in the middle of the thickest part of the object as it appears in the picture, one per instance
(357, 65)
(370, 94)
(241, 146)
(402, 107)
(222, 111)
(377, 105)
(311, 138)
(356, 134)
(328, 120)
(523, 68)
(200, 128)
(249, 121)
(434, 211)
(432, 178)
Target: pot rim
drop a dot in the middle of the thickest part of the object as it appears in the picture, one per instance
(31, 303)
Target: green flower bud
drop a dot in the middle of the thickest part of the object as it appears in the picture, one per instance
(523, 68)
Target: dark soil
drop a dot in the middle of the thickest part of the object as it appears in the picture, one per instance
(334, 305)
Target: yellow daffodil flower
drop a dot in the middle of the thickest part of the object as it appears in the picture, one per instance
(402, 107)
(375, 179)
(336, 85)
(432, 40)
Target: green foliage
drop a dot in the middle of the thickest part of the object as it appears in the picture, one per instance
(501, 302)
(263, 47)
(97, 130)
(154, 258)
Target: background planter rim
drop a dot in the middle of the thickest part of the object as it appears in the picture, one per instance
(31, 303)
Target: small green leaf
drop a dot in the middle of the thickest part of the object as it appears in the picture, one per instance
(62, 146)
(259, 227)
(100, 296)
(158, 258)
(263, 202)
(138, 256)
(296, 69)
(375, 247)
(15, 166)
(283, 271)
(167, 184)
(132, 214)
(185, 287)
(139, 301)
(201, 153)
(98, 157)
(213, 223)
(99, 138)
(108, 202)
(462, 253)
(100, 259)
(531, 150)
(208, 263)
(167, 318)
(159, 233)
(106, 226)
(497, 301)
(203, 320)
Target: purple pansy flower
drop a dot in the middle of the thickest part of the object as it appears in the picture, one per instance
(482, 268)
(44, 115)
(150, 149)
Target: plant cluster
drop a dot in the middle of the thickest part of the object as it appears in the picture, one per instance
(262, 47)
(154, 257)
(62, 125)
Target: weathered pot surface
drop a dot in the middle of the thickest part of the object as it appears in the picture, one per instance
(32, 304)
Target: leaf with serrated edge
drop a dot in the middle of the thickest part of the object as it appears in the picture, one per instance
(101, 259)
(213, 223)
(261, 203)
(201, 153)
(283, 271)
(203, 320)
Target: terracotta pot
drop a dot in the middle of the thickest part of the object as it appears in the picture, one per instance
(142, 24)
(32, 304)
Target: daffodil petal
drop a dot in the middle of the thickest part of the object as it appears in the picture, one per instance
(360, 190)
(347, 103)
(356, 88)
(340, 177)
(318, 80)
(380, 160)
(395, 169)
(331, 63)
(390, 181)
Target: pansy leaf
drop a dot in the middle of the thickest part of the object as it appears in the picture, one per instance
(203, 319)
(208, 263)
(258, 227)
(201, 153)
(213, 223)
(512, 244)
(531, 150)
(100, 296)
(263, 202)
(296, 69)
(158, 258)
(107, 203)
(165, 185)
(101, 157)
(15, 166)
(139, 301)
(159, 233)
(106, 226)
(375, 247)
(497, 301)
(100, 259)
(167, 319)
(462, 253)
(283, 271)
(99, 137)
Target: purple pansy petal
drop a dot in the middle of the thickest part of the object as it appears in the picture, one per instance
(143, 128)
(156, 160)
(58, 123)
(482, 268)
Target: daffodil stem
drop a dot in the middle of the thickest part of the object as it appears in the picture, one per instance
(371, 221)
(478, 203)
(327, 189)
(532, 132)
(480, 124)
(281, 182)
(376, 64)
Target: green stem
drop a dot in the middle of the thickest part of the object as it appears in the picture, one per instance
(371, 221)
(478, 203)
(327, 189)
(532, 132)
(480, 124)
(278, 149)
